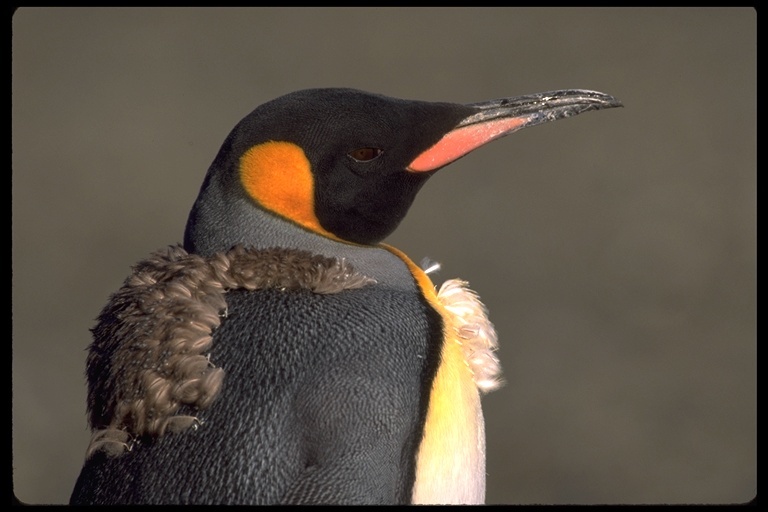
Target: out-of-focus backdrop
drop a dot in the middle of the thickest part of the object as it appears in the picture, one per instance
(616, 251)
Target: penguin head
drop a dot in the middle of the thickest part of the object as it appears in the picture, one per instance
(346, 164)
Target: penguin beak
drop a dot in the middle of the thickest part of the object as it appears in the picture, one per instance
(497, 118)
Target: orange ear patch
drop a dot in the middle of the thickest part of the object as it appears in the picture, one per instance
(278, 176)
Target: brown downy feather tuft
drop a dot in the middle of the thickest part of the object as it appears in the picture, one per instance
(148, 354)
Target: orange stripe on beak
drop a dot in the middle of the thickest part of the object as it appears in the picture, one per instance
(465, 139)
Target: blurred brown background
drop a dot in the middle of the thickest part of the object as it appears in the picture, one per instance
(616, 251)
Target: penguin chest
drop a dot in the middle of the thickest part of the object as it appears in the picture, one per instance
(451, 458)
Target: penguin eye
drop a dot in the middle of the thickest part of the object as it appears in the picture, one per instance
(365, 154)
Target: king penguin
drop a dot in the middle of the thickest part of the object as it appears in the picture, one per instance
(284, 354)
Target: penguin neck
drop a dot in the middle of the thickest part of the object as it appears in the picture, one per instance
(264, 230)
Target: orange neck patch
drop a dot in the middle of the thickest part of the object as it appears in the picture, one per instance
(278, 176)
